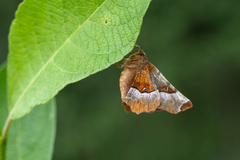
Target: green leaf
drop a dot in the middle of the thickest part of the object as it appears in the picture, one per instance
(53, 43)
(3, 96)
(3, 107)
(32, 137)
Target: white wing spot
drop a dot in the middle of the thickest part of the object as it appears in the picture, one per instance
(144, 89)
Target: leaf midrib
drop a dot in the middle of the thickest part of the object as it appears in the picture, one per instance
(40, 71)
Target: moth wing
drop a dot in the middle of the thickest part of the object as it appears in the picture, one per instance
(163, 85)
(143, 95)
(174, 102)
(126, 79)
(171, 99)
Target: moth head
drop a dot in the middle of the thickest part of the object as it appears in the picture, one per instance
(136, 60)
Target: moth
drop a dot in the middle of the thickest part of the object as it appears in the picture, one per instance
(145, 89)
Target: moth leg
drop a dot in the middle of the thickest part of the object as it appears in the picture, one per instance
(120, 65)
(138, 47)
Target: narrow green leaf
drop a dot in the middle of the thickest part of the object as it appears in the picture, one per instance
(53, 43)
(32, 137)
(3, 107)
(3, 96)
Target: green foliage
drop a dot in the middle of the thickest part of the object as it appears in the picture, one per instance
(54, 43)
(31, 137)
(195, 44)
(3, 96)
(3, 107)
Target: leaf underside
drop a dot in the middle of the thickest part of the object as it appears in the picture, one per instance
(53, 43)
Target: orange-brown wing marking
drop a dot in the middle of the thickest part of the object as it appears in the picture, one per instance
(142, 81)
(142, 96)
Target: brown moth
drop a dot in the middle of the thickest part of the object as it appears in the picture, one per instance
(145, 89)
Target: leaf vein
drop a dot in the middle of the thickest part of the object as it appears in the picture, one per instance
(41, 70)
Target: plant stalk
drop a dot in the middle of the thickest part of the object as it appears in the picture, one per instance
(2, 149)
(3, 138)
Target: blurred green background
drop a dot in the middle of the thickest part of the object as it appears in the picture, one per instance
(196, 45)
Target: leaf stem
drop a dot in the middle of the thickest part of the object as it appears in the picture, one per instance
(6, 127)
(2, 149)
(3, 138)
